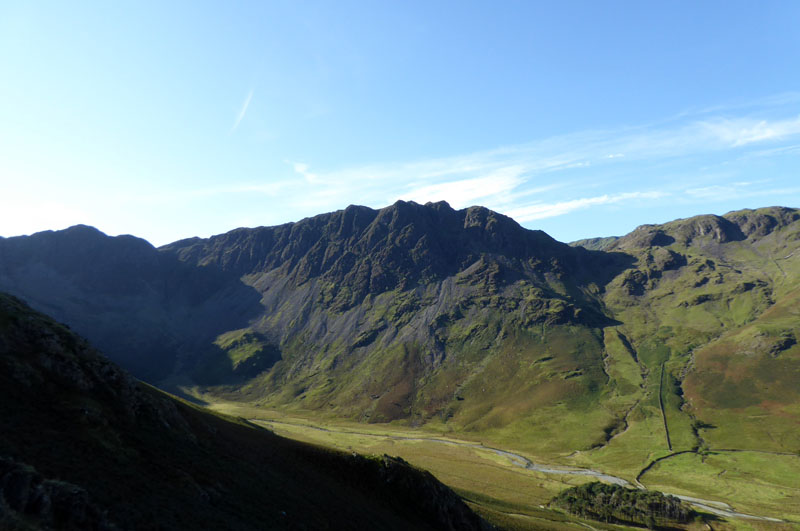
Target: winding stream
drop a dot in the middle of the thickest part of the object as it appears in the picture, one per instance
(714, 507)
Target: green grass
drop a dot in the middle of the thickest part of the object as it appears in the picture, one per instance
(241, 345)
(747, 393)
(759, 483)
(574, 393)
(517, 497)
(490, 482)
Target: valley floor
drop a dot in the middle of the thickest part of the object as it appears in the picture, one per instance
(512, 488)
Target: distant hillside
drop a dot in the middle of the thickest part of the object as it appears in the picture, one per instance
(147, 310)
(85, 446)
(459, 319)
(596, 244)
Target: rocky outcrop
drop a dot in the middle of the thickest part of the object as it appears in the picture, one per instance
(30, 501)
(418, 488)
(44, 355)
(431, 496)
(761, 222)
(695, 230)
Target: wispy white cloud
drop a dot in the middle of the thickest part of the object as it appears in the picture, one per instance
(549, 210)
(466, 192)
(687, 159)
(712, 192)
(502, 177)
(741, 132)
(303, 169)
(739, 190)
(242, 110)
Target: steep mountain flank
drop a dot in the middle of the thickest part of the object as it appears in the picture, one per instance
(86, 446)
(419, 312)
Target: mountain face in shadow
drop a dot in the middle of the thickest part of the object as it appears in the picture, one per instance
(145, 309)
(277, 310)
(85, 446)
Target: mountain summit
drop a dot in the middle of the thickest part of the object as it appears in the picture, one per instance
(363, 251)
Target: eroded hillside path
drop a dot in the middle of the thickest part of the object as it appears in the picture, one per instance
(715, 507)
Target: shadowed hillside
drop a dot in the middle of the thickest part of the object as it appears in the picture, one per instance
(148, 311)
(85, 446)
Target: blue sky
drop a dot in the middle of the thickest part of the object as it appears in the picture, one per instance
(173, 119)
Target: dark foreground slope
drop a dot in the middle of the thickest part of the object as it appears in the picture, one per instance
(85, 446)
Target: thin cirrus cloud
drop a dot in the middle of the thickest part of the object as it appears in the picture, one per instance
(747, 131)
(549, 210)
(464, 192)
(242, 111)
(741, 190)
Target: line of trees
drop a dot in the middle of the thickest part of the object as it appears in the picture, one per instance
(616, 504)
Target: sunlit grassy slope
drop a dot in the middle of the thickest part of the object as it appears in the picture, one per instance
(754, 481)
(699, 354)
(716, 304)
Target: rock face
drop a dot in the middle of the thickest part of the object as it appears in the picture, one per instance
(86, 446)
(361, 251)
(760, 223)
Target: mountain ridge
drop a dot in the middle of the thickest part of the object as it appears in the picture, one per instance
(426, 314)
(750, 222)
(408, 243)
